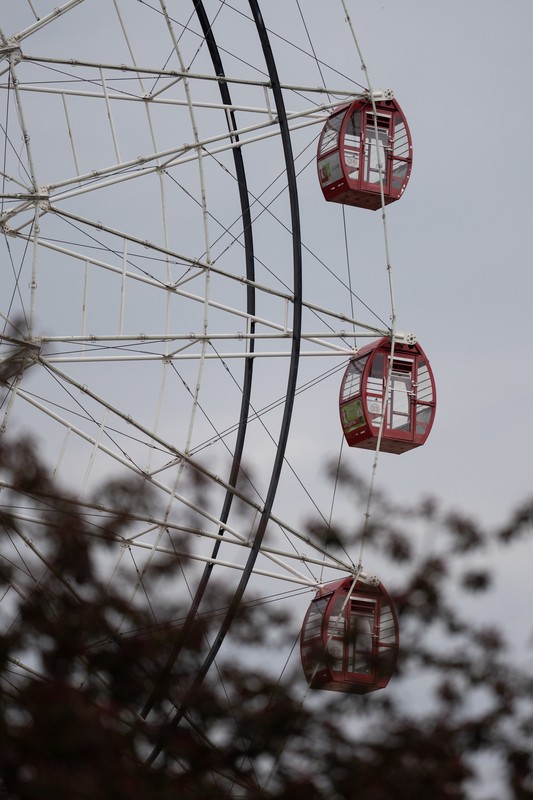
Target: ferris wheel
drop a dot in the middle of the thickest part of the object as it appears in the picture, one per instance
(172, 302)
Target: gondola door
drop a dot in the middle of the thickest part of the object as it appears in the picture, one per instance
(362, 640)
(376, 151)
(400, 416)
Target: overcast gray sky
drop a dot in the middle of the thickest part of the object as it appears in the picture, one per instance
(460, 238)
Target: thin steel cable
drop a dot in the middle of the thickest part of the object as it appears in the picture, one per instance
(317, 62)
(348, 269)
(388, 381)
(289, 465)
(267, 208)
(331, 634)
(371, 487)
(249, 364)
(293, 371)
(333, 498)
(295, 47)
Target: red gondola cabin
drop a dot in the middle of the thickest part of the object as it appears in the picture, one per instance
(349, 152)
(349, 640)
(410, 409)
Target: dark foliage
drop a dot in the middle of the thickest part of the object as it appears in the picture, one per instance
(79, 661)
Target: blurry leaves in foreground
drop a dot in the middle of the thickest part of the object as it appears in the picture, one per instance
(80, 656)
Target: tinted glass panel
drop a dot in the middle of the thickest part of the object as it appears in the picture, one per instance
(352, 144)
(401, 142)
(376, 148)
(330, 136)
(387, 628)
(423, 417)
(314, 620)
(399, 408)
(424, 388)
(399, 171)
(352, 381)
(336, 635)
(375, 388)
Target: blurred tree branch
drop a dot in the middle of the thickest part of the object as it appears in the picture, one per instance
(78, 658)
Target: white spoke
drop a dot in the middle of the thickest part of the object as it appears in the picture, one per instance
(150, 307)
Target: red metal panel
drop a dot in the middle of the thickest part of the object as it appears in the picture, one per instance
(360, 412)
(343, 162)
(354, 647)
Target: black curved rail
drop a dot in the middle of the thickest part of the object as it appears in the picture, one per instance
(238, 450)
(293, 367)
